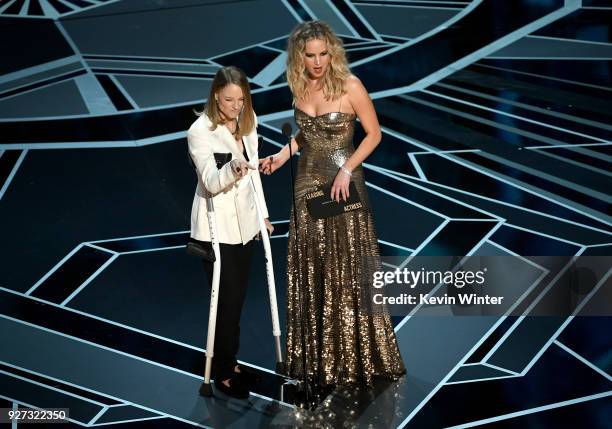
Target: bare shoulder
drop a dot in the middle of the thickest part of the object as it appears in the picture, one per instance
(353, 84)
(355, 90)
(360, 99)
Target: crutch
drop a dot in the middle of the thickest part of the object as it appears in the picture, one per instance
(276, 332)
(206, 389)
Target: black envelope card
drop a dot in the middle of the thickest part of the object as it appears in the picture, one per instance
(321, 206)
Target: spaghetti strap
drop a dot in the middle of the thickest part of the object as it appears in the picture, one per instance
(340, 106)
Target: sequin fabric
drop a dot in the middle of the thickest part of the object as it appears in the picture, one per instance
(346, 337)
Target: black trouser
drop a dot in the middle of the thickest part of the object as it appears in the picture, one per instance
(235, 268)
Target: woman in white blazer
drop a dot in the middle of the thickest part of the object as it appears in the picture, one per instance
(226, 131)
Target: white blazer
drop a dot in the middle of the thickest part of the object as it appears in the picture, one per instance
(233, 199)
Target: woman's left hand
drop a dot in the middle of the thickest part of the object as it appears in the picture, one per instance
(269, 226)
(340, 187)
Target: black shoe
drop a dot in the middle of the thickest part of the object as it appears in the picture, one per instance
(247, 375)
(236, 388)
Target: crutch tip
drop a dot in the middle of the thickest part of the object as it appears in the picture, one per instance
(280, 368)
(206, 390)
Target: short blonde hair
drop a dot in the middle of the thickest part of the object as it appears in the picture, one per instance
(337, 72)
(224, 77)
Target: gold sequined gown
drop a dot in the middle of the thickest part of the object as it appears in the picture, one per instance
(347, 340)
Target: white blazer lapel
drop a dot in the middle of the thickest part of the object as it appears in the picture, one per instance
(228, 141)
(250, 143)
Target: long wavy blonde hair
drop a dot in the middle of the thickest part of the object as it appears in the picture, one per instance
(224, 77)
(337, 72)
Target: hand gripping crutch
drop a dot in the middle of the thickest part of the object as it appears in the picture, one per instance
(206, 389)
(276, 332)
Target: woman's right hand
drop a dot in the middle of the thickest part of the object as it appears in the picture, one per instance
(240, 168)
(270, 164)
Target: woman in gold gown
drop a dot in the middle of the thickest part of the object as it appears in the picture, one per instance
(347, 338)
